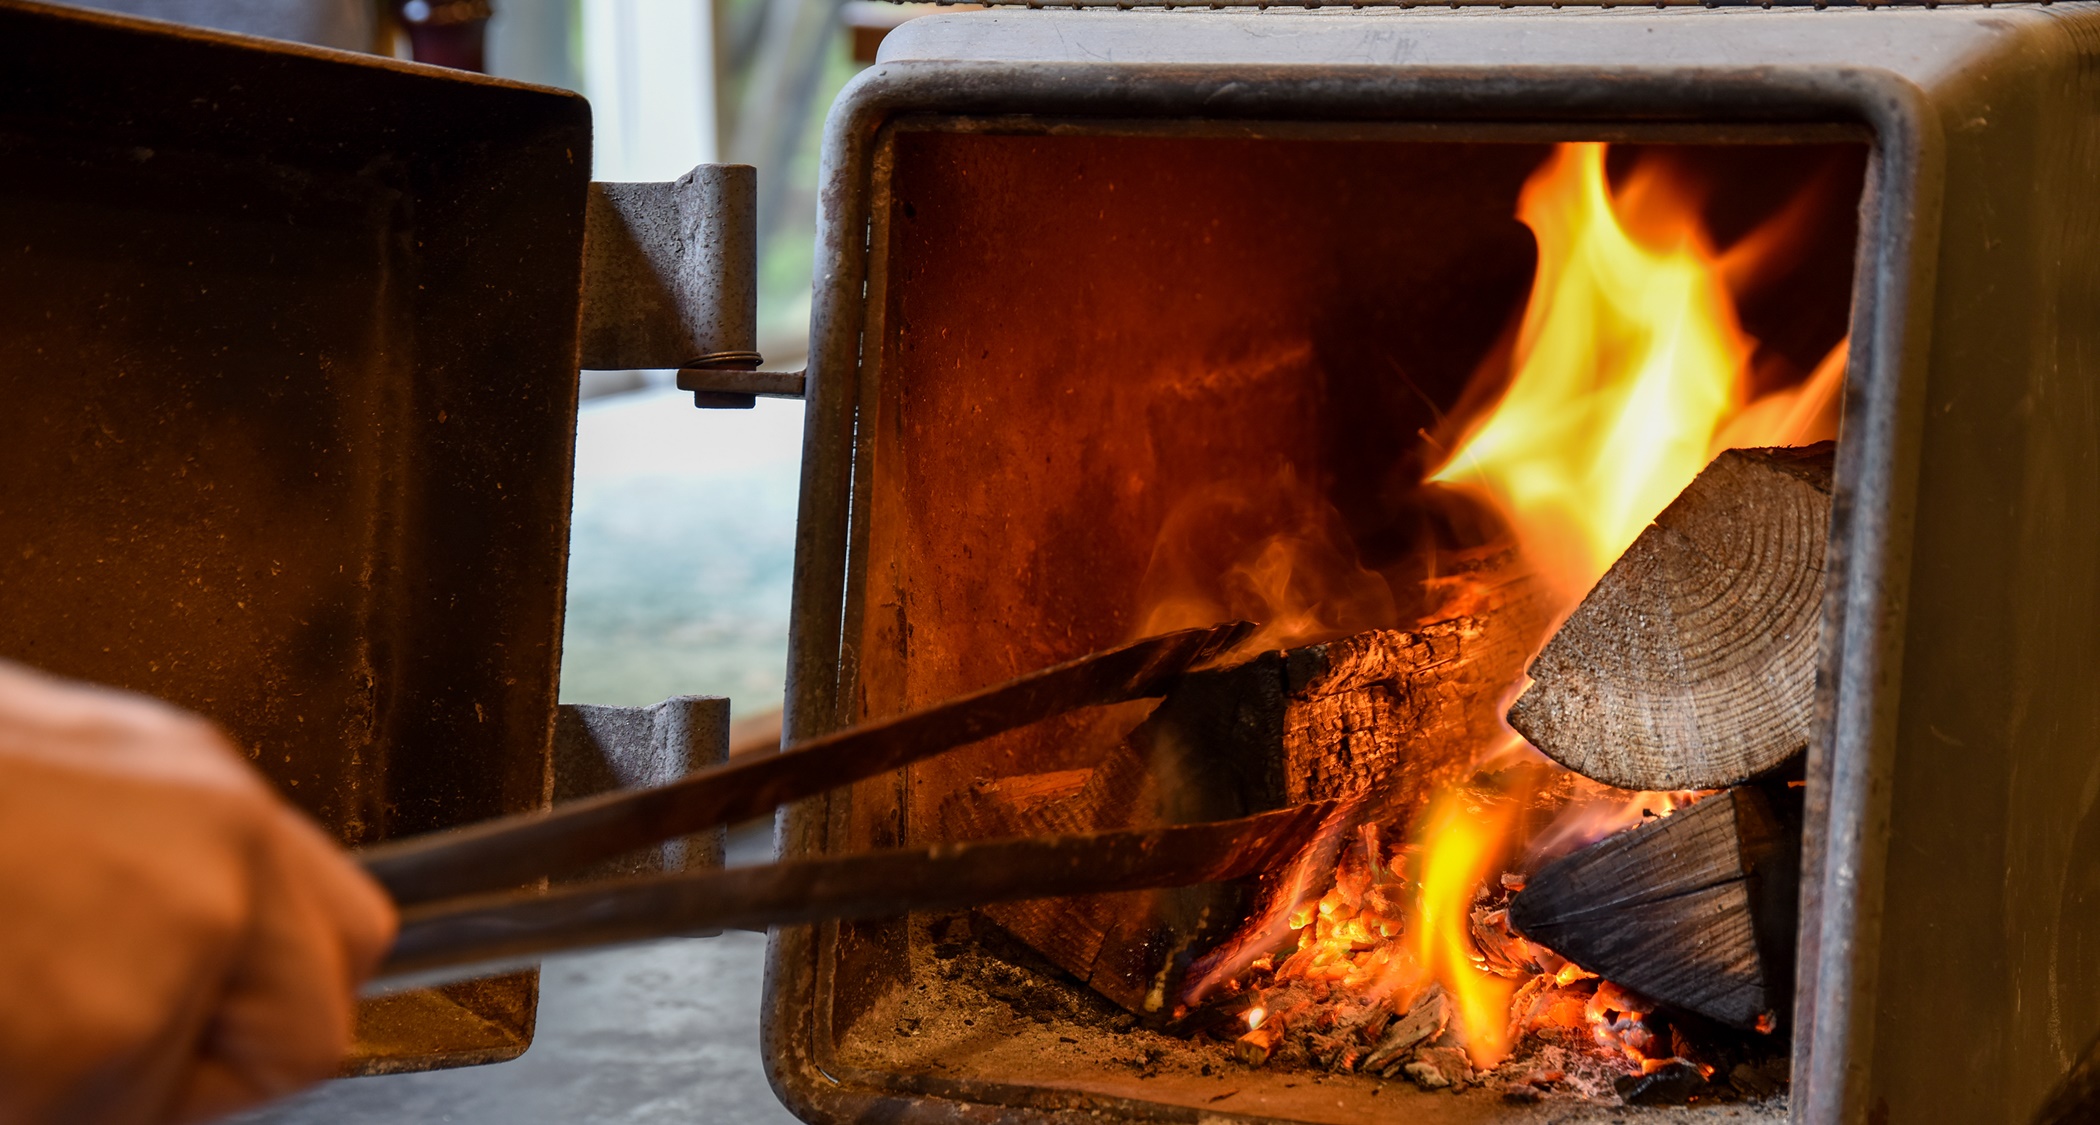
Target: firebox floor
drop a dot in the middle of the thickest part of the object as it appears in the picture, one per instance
(973, 1025)
(1133, 1068)
(1050, 1061)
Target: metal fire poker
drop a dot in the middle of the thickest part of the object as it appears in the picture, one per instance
(461, 905)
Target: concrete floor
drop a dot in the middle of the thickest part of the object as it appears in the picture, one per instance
(664, 1033)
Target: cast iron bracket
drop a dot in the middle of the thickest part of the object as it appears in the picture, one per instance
(670, 280)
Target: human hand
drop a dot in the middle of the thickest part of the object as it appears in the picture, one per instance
(176, 942)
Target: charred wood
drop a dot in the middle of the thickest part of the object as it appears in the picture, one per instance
(1691, 665)
(1396, 713)
(1695, 910)
(1422, 1024)
(1676, 1083)
(1119, 944)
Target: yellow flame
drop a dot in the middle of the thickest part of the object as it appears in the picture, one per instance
(1630, 360)
(1631, 371)
(1463, 844)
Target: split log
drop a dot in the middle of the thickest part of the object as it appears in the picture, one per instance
(1396, 713)
(1255, 1047)
(1692, 663)
(1695, 910)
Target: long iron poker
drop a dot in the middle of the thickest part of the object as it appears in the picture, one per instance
(484, 933)
(511, 851)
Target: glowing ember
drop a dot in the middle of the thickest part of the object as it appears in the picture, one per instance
(1250, 948)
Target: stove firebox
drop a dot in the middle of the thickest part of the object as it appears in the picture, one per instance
(1109, 300)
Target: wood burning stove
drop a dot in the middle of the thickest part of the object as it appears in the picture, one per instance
(1069, 258)
(1127, 322)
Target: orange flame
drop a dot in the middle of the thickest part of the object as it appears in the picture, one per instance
(1277, 554)
(1601, 811)
(1284, 911)
(1464, 841)
(1630, 363)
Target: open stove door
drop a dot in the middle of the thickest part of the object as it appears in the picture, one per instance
(288, 346)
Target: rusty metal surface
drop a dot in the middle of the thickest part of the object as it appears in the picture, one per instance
(2076, 1098)
(1986, 328)
(505, 853)
(287, 346)
(671, 272)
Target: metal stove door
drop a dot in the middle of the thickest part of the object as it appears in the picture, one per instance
(288, 344)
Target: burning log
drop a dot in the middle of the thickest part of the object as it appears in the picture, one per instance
(1118, 944)
(1392, 712)
(1692, 663)
(1695, 910)
(1396, 713)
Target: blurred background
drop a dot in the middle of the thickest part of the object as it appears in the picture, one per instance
(683, 528)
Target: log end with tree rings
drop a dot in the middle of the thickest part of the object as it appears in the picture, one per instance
(1692, 663)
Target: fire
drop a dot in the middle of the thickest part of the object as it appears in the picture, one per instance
(1601, 811)
(1285, 913)
(1630, 363)
(1464, 843)
(1277, 554)
(1631, 369)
